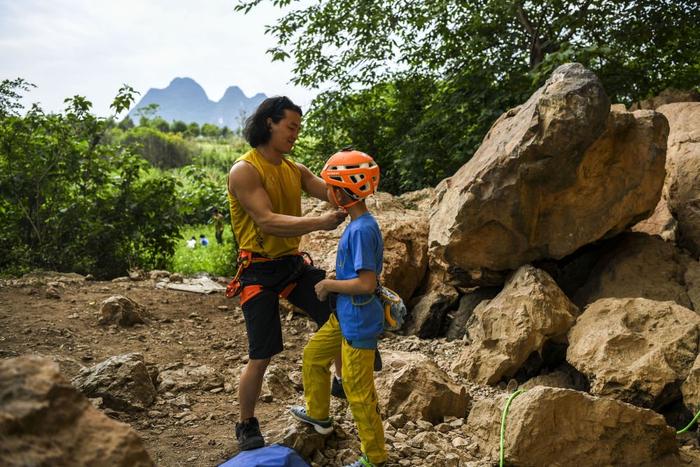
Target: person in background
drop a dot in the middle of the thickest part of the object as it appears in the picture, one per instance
(203, 240)
(218, 219)
(191, 243)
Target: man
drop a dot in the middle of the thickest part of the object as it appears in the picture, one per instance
(264, 190)
(218, 219)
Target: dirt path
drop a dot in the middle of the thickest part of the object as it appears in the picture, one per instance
(188, 328)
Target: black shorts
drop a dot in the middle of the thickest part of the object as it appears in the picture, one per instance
(262, 316)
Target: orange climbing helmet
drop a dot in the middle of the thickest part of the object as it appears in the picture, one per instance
(353, 171)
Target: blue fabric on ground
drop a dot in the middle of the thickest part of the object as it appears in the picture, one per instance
(274, 455)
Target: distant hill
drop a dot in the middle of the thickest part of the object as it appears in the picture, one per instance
(184, 99)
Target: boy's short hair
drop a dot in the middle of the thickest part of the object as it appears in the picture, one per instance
(256, 131)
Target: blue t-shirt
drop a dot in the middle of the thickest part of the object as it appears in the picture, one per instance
(361, 317)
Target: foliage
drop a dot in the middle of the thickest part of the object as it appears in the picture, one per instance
(161, 149)
(178, 126)
(199, 191)
(210, 130)
(214, 259)
(193, 130)
(417, 84)
(220, 154)
(71, 202)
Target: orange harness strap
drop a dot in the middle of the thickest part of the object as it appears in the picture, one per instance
(245, 259)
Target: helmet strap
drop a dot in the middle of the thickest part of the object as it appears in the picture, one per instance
(337, 202)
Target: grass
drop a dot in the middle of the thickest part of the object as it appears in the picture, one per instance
(215, 259)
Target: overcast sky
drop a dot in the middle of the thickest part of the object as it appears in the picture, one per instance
(92, 47)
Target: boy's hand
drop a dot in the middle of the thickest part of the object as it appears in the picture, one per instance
(322, 290)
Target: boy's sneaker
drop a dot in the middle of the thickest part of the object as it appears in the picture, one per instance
(364, 462)
(322, 426)
(248, 434)
(337, 388)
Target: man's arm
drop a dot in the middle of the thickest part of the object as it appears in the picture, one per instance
(311, 184)
(245, 184)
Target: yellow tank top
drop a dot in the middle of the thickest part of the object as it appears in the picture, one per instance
(283, 185)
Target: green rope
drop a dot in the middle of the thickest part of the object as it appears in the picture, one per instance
(503, 421)
(695, 418)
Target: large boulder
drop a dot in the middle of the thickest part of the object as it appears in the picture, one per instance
(403, 221)
(640, 265)
(530, 311)
(46, 421)
(123, 382)
(667, 96)
(635, 349)
(413, 385)
(462, 317)
(552, 175)
(691, 387)
(562, 427)
(683, 168)
(428, 312)
(661, 222)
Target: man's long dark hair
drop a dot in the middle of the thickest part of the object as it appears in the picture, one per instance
(256, 131)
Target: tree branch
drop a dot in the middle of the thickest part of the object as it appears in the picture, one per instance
(580, 14)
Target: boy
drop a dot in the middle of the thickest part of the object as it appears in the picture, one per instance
(350, 177)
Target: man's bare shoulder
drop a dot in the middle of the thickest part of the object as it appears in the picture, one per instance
(243, 175)
(243, 170)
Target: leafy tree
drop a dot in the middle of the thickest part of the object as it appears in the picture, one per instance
(162, 150)
(193, 130)
(419, 83)
(226, 132)
(210, 130)
(160, 124)
(146, 113)
(201, 189)
(178, 126)
(126, 124)
(71, 202)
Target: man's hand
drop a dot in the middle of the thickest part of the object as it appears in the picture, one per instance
(322, 290)
(333, 219)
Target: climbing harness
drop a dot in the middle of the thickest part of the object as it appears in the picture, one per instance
(245, 259)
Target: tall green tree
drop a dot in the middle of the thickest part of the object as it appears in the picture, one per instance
(210, 130)
(419, 83)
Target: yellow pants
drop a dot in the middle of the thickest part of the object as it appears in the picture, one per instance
(358, 383)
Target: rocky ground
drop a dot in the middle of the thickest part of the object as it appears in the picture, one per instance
(198, 345)
(192, 423)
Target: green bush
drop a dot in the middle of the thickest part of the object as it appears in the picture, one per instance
(162, 150)
(199, 191)
(69, 201)
(220, 154)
